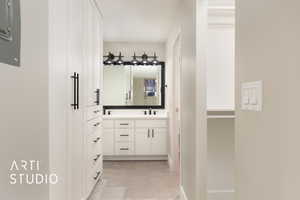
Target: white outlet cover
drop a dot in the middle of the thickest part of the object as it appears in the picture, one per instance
(252, 96)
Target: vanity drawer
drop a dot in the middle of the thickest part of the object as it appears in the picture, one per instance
(94, 125)
(124, 124)
(124, 135)
(151, 123)
(124, 148)
(93, 112)
(108, 124)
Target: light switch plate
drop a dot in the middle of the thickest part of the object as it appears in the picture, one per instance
(10, 36)
(252, 96)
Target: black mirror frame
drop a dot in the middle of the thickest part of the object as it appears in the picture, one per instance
(163, 90)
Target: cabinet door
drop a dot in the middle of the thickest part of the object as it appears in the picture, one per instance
(142, 141)
(93, 55)
(108, 142)
(159, 141)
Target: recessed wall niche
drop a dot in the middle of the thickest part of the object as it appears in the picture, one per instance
(10, 32)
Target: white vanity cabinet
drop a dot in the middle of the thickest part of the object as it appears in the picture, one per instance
(151, 137)
(135, 138)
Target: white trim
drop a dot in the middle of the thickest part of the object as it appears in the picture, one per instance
(220, 110)
(171, 162)
(221, 17)
(220, 191)
(99, 7)
(221, 117)
(182, 194)
(132, 157)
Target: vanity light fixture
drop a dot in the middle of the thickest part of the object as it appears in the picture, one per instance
(135, 60)
(155, 61)
(144, 59)
(110, 59)
(120, 61)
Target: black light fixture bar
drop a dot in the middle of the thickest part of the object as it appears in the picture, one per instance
(144, 59)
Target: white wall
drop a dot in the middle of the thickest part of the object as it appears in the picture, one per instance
(193, 101)
(221, 3)
(59, 102)
(173, 147)
(24, 104)
(220, 153)
(220, 96)
(267, 142)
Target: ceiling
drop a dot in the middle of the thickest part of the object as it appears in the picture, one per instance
(138, 20)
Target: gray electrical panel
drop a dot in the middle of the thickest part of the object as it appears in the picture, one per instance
(10, 32)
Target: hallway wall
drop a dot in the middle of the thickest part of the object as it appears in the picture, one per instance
(267, 142)
(221, 158)
(24, 105)
(193, 99)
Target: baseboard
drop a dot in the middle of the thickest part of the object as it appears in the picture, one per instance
(100, 183)
(115, 158)
(220, 194)
(182, 194)
(170, 162)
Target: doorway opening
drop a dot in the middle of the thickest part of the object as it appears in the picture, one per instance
(141, 140)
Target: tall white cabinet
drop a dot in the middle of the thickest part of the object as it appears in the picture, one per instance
(84, 139)
(93, 136)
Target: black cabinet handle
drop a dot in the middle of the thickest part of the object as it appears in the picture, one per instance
(153, 133)
(124, 149)
(148, 133)
(77, 91)
(75, 103)
(97, 157)
(98, 174)
(97, 124)
(123, 124)
(97, 102)
(124, 135)
(97, 140)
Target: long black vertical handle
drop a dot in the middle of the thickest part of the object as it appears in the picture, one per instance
(77, 93)
(74, 77)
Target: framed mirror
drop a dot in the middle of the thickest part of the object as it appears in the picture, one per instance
(130, 86)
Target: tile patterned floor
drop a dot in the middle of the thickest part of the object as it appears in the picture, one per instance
(139, 180)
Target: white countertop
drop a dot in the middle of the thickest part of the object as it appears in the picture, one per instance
(148, 117)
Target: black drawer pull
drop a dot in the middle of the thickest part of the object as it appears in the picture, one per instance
(124, 149)
(97, 139)
(97, 124)
(124, 124)
(124, 135)
(75, 103)
(98, 174)
(97, 157)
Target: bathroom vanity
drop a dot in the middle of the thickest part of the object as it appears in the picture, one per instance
(135, 137)
(135, 123)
